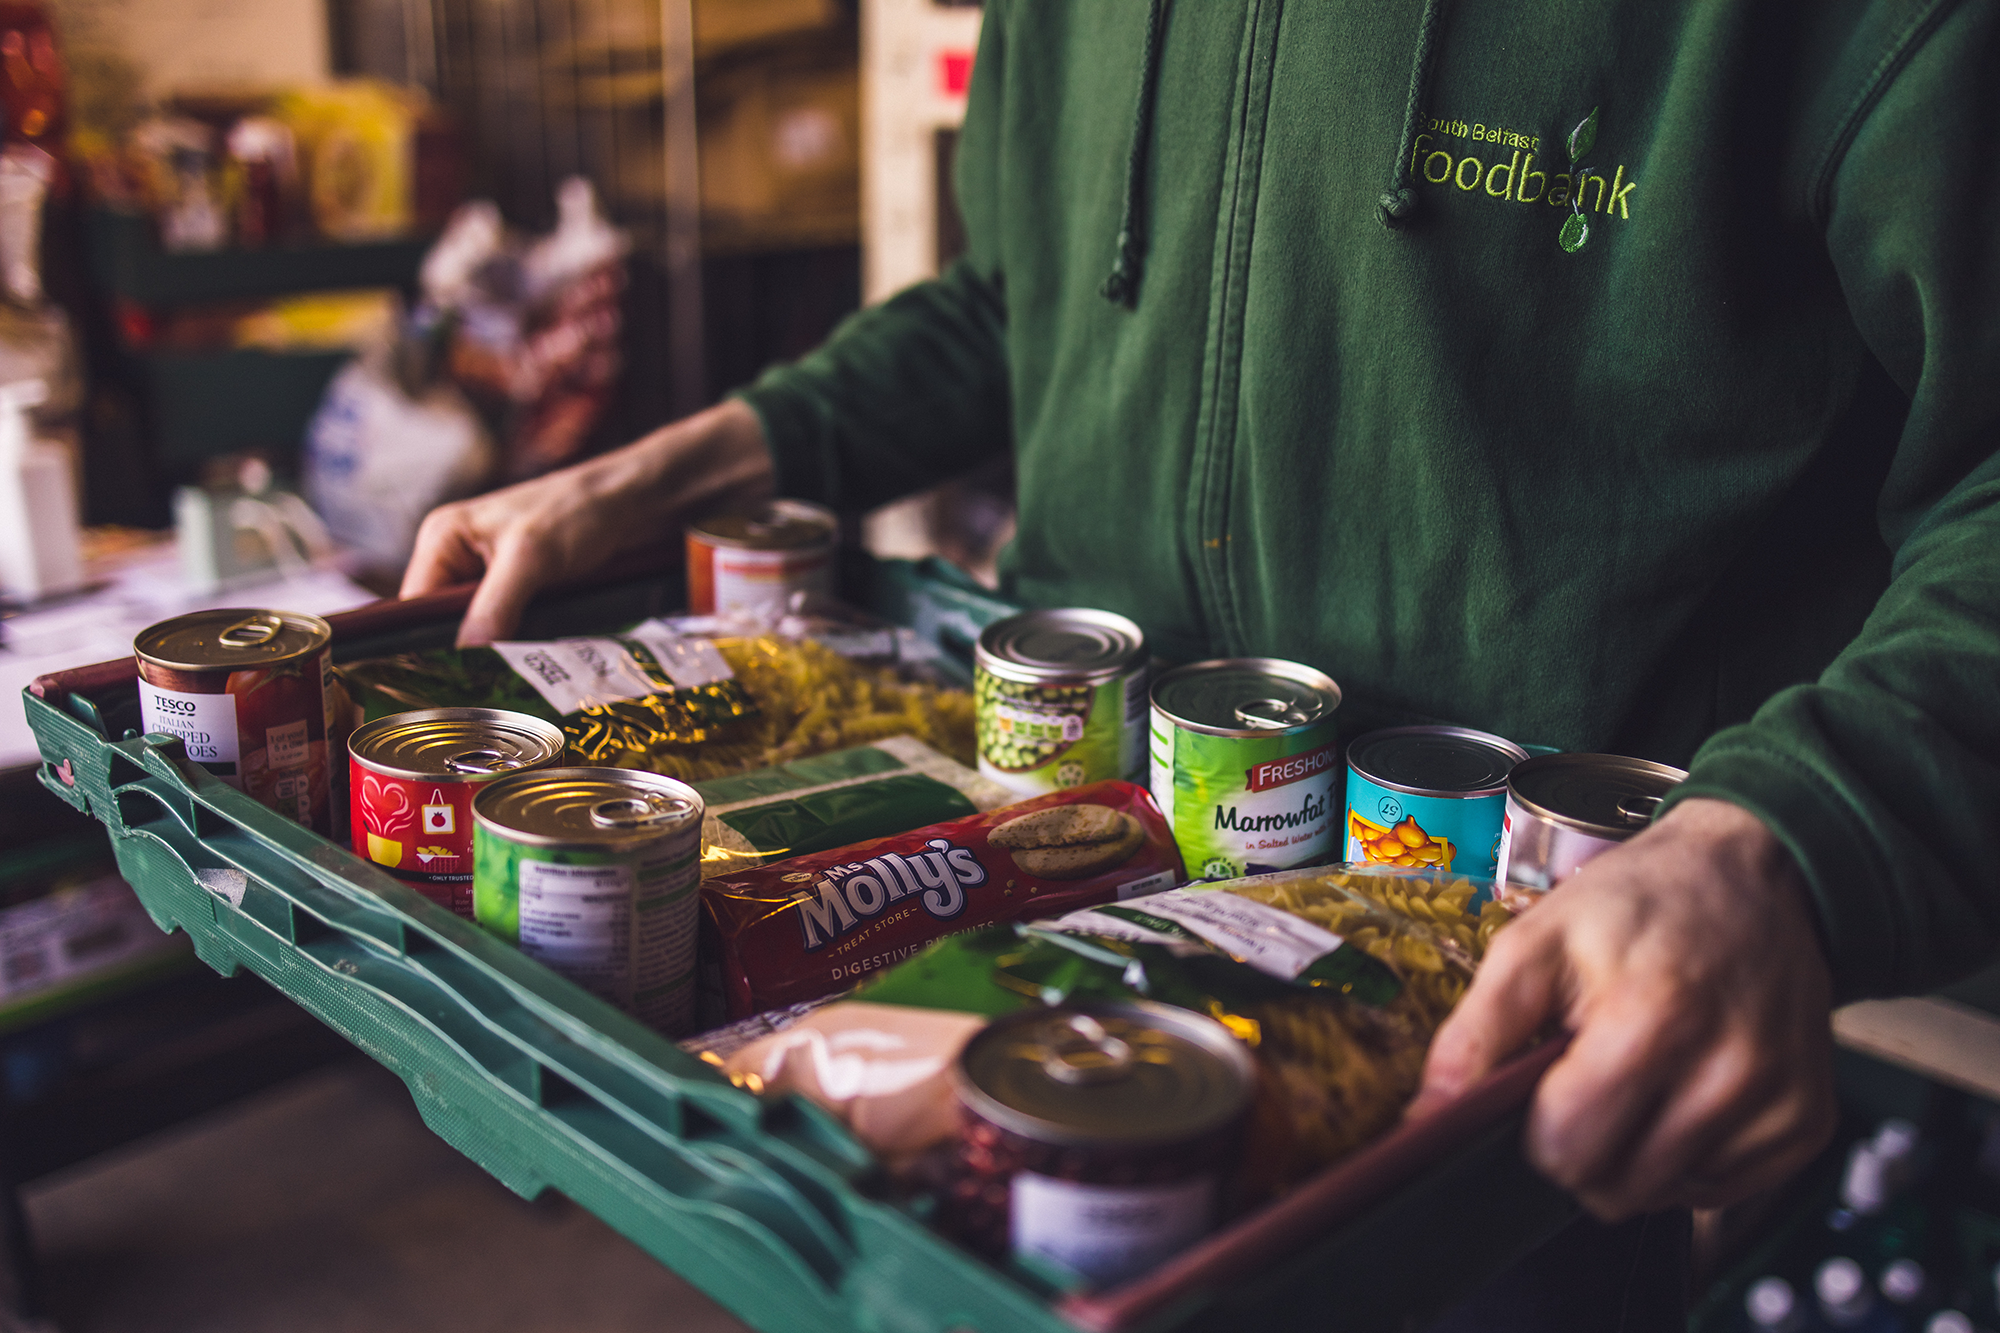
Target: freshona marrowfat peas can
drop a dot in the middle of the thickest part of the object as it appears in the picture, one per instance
(1060, 700)
(597, 873)
(1245, 765)
(1428, 796)
(1563, 809)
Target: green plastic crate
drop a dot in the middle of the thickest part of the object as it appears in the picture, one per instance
(766, 1206)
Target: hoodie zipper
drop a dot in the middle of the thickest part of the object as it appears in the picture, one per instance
(1222, 352)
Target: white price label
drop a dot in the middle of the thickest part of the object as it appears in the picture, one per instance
(206, 724)
(1108, 1232)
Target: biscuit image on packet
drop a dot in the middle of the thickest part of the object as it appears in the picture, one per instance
(817, 924)
(1070, 841)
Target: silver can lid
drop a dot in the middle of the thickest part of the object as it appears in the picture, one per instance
(1126, 1074)
(777, 525)
(1072, 645)
(1608, 795)
(605, 808)
(455, 744)
(231, 639)
(1435, 761)
(1245, 696)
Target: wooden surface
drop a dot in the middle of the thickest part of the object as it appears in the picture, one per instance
(1942, 1039)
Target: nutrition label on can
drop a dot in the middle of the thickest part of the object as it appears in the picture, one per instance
(663, 961)
(578, 920)
(1107, 1232)
(205, 723)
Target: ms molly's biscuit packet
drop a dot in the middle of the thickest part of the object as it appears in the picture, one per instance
(812, 925)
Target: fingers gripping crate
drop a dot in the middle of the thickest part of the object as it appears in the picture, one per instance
(762, 1204)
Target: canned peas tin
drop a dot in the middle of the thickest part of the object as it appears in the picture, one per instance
(596, 872)
(1060, 700)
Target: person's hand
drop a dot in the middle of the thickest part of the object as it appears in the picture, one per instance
(569, 523)
(1686, 965)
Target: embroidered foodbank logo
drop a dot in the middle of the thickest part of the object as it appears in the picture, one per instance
(1525, 175)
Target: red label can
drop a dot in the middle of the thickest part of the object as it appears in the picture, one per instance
(753, 563)
(411, 780)
(246, 693)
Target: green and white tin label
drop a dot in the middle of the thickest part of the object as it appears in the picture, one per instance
(1043, 738)
(620, 924)
(1244, 805)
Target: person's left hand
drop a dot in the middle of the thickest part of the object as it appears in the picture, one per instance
(1686, 965)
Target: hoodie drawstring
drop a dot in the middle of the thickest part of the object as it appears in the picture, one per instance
(1400, 201)
(1122, 286)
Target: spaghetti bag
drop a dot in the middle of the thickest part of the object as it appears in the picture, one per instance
(815, 924)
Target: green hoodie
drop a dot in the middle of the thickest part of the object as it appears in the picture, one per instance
(1719, 488)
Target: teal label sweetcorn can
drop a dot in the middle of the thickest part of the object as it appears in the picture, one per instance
(1245, 765)
(596, 872)
(1428, 796)
(1060, 699)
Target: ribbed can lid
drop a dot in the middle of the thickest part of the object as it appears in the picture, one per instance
(1245, 696)
(231, 639)
(1435, 761)
(1126, 1074)
(1609, 795)
(601, 808)
(781, 525)
(1073, 645)
(456, 744)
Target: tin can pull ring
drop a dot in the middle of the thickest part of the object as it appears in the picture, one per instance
(1093, 1056)
(1638, 809)
(252, 632)
(636, 812)
(481, 761)
(1270, 714)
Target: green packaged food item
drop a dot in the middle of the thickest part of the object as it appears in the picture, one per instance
(1335, 978)
(832, 800)
(673, 700)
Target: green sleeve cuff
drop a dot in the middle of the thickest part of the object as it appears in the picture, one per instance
(1842, 867)
(798, 433)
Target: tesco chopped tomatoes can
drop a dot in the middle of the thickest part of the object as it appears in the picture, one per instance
(246, 693)
(411, 779)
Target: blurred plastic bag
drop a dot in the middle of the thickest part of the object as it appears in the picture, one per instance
(377, 458)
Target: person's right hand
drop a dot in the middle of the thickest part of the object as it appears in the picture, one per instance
(569, 523)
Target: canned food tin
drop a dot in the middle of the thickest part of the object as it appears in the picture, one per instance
(1060, 700)
(1096, 1135)
(246, 692)
(1428, 796)
(411, 777)
(1245, 764)
(753, 563)
(596, 872)
(1563, 809)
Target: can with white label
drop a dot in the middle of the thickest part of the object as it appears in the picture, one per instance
(411, 778)
(752, 564)
(1428, 796)
(246, 693)
(1096, 1136)
(1564, 809)
(1245, 765)
(1060, 700)
(596, 872)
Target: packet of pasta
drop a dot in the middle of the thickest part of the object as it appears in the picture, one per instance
(1336, 979)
